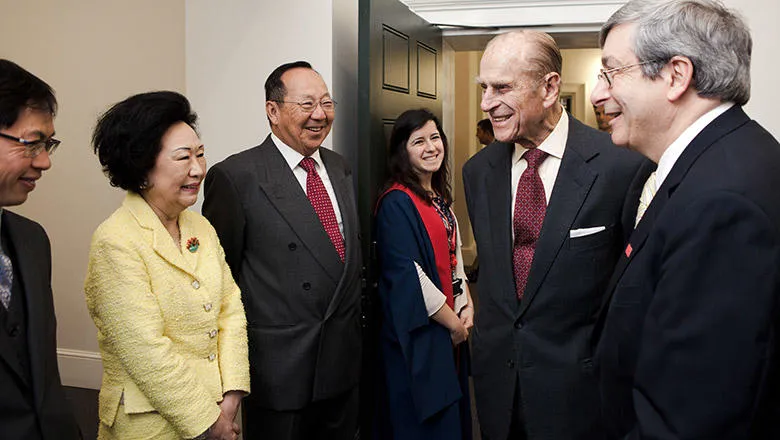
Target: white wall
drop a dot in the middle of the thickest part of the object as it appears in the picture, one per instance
(761, 16)
(93, 53)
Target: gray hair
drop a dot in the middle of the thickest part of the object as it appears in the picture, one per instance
(714, 38)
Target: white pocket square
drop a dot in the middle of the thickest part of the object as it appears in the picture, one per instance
(583, 232)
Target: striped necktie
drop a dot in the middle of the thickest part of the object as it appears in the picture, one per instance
(648, 192)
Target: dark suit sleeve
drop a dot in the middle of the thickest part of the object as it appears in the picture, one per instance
(706, 339)
(222, 207)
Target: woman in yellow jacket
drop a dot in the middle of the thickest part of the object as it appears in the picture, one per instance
(171, 325)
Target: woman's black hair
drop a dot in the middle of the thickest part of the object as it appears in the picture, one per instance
(400, 168)
(128, 137)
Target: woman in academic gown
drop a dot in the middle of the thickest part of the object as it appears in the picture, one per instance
(427, 309)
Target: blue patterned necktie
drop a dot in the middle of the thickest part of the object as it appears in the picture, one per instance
(6, 279)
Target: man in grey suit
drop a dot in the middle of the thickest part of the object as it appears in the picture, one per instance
(286, 216)
(32, 402)
(551, 205)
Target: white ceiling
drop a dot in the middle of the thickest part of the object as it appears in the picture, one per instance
(469, 24)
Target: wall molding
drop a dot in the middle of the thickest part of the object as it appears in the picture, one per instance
(79, 368)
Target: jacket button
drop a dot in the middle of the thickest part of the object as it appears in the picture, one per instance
(306, 286)
(14, 331)
(195, 284)
(510, 363)
(213, 333)
(519, 324)
(207, 307)
(292, 246)
(212, 356)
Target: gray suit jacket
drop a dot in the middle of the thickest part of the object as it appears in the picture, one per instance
(545, 338)
(33, 404)
(302, 303)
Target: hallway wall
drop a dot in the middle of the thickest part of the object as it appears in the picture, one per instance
(93, 53)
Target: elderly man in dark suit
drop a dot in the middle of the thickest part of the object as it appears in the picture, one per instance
(32, 402)
(551, 205)
(285, 213)
(689, 347)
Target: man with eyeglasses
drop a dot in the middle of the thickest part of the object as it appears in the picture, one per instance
(690, 344)
(551, 204)
(286, 216)
(32, 401)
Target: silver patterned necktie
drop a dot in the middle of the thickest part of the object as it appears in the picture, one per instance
(6, 279)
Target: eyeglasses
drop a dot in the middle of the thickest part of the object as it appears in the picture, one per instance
(328, 105)
(34, 148)
(608, 75)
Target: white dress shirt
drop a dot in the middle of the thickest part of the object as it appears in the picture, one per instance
(675, 150)
(554, 145)
(293, 159)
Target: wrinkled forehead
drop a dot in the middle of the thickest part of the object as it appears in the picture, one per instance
(304, 83)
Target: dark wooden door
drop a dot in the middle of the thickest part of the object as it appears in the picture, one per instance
(400, 68)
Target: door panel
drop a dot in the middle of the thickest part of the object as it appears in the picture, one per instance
(400, 57)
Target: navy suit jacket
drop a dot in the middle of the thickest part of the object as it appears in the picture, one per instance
(33, 406)
(545, 338)
(689, 348)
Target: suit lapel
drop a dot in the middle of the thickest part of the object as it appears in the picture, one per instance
(29, 260)
(161, 240)
(342, 187)
(499, 217)
(572, 185)
(277, 180)
(729, 121)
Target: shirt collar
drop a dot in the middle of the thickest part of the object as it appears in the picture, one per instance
(292, 157)
(675, 150)
(554, 144)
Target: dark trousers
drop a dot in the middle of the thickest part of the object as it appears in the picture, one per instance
(330, 419)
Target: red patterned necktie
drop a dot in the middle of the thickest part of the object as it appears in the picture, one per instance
(530, 205)
(319, 199)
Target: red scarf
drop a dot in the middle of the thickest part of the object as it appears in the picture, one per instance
(437, 234)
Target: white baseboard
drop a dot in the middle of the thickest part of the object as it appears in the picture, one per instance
(78, 368)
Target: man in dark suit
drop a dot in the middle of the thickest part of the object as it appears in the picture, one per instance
(551, 206)
(689, 346)
(32, 402)
(285, 213)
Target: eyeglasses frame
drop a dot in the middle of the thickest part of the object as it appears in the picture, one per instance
(34, 148)
(301, 105)
(608, 74)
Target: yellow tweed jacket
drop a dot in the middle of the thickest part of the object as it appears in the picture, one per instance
(171, 325)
